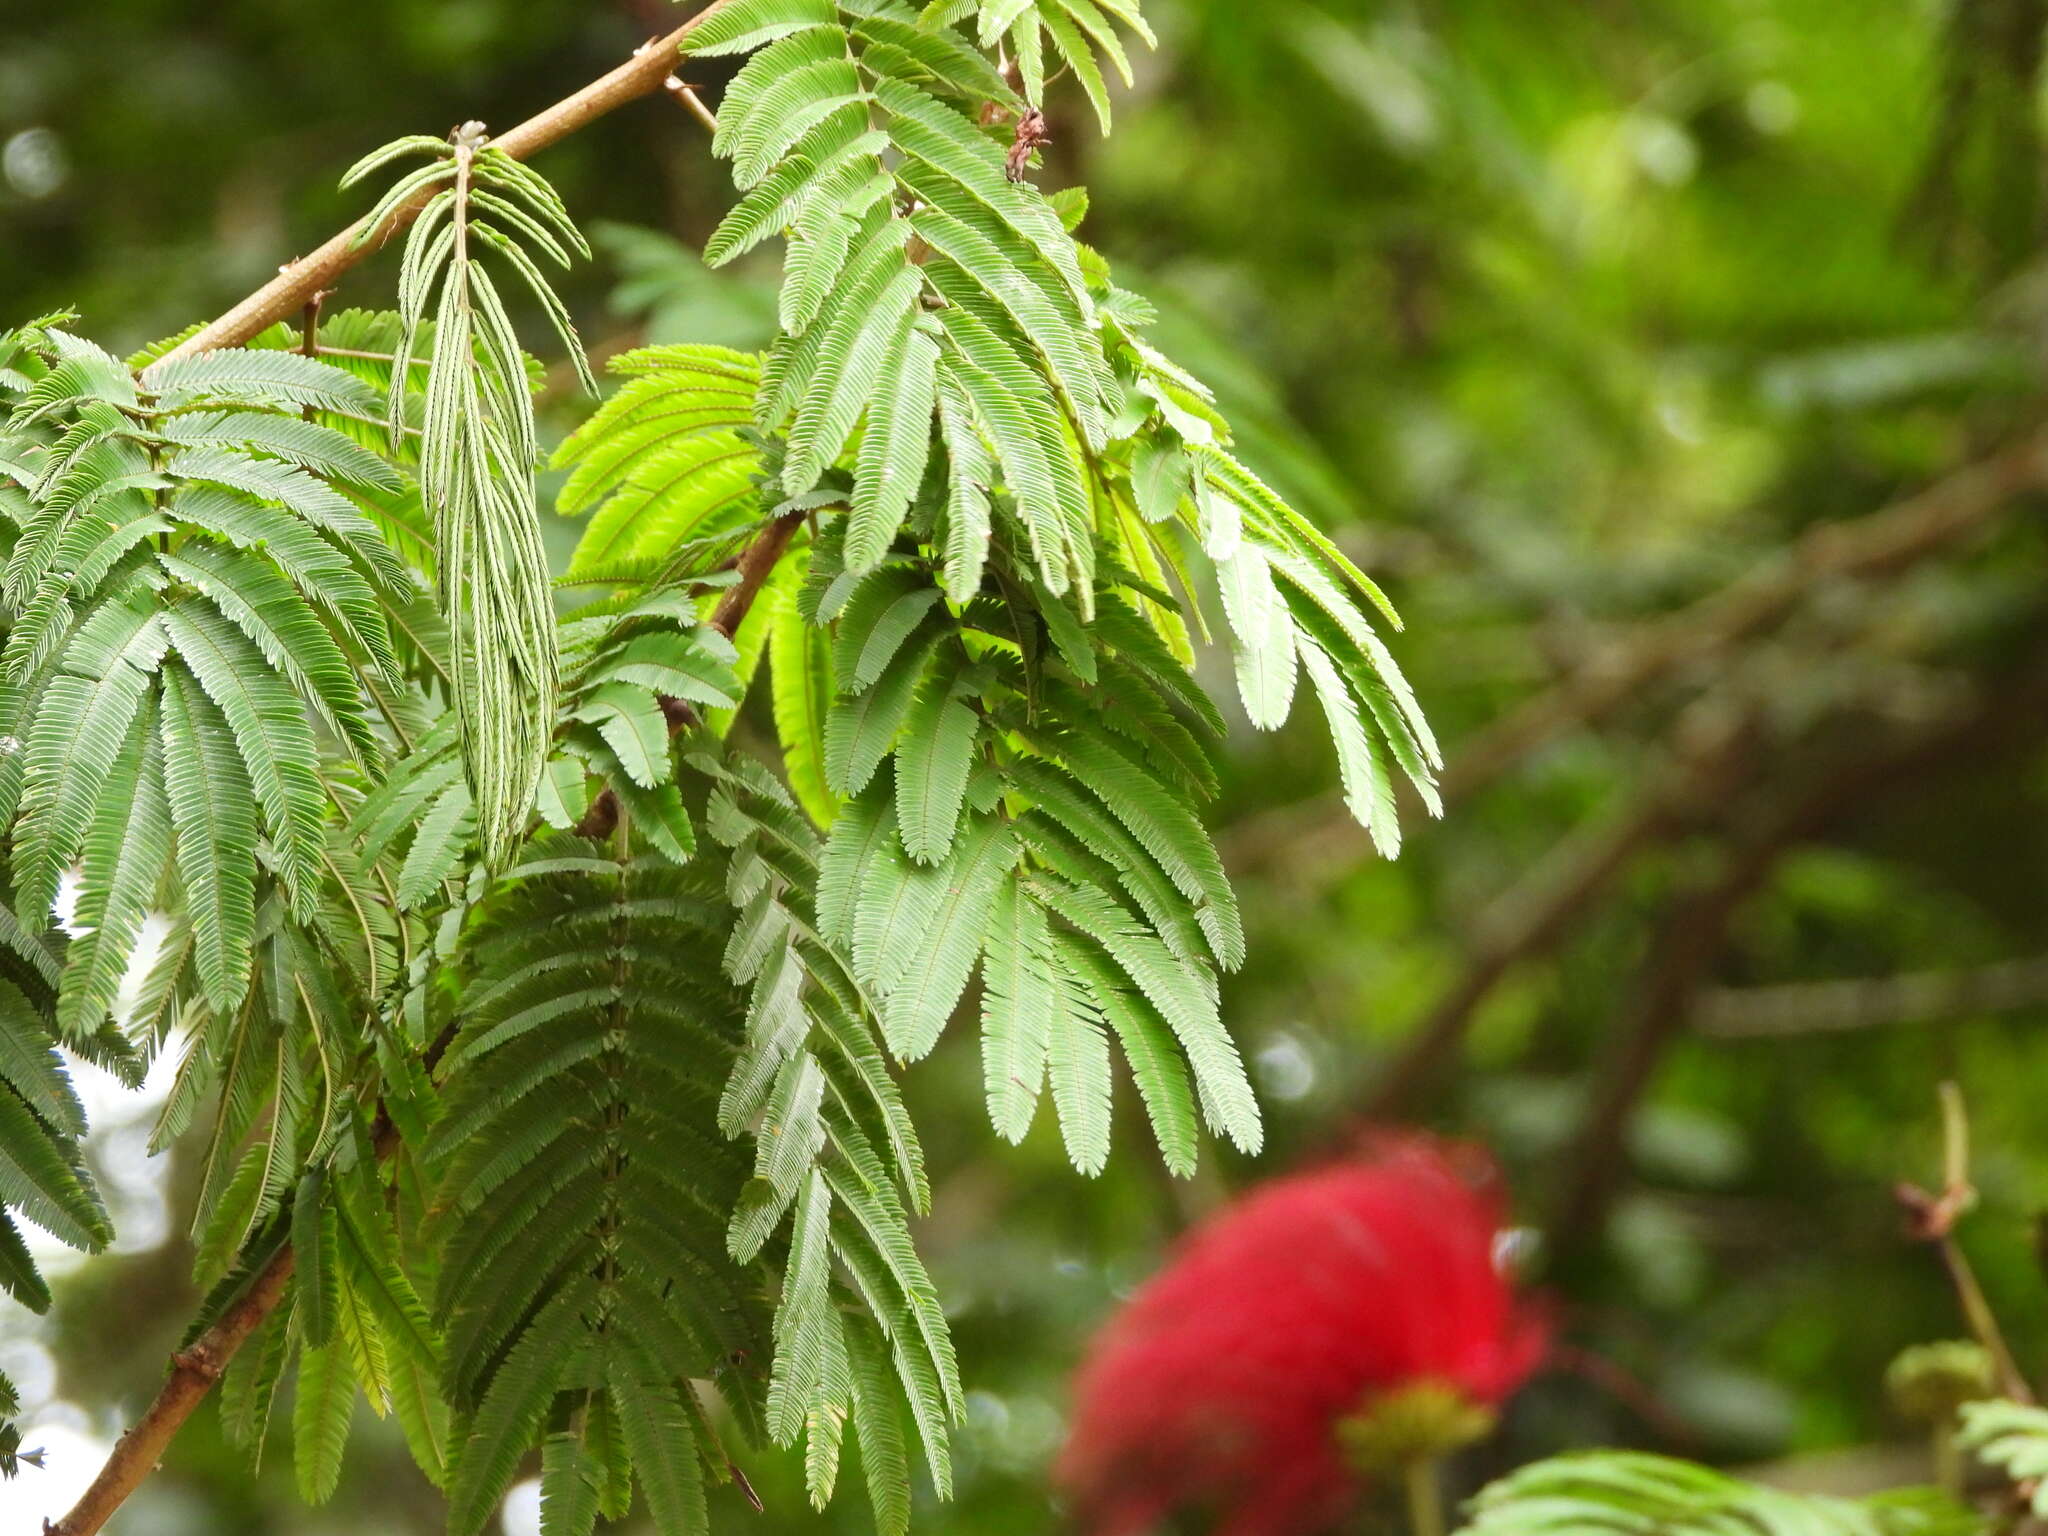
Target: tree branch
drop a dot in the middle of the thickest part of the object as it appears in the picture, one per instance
(755, 563)
(295, 284)
(1890, 540)
(1546, 905)
(1827, 1007)
(194, 1370)
(2004, 715)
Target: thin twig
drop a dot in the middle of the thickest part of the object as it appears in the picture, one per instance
(1932, 1218)
(1891, 540)
(755, 564)
(1828, 1007)
(286, 294)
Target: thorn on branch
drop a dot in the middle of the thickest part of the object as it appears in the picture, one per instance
(686, 97)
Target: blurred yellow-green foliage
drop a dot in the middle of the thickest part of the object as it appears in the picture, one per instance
(1567, 316)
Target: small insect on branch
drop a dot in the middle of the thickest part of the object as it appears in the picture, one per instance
(1032, 131)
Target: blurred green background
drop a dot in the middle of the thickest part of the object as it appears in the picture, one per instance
(1677, 364)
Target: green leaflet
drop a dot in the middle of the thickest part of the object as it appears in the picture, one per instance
(1262, 636)
(879, 1427)
(602, 979)
(1092, 834)
(1169, 832)
(1368, 791)
(881, 616)
(1148, 1046)
(633, 727)
(208, 619)
(71, 752)
(315, 1273)
(665, 1145)
(933, 755)
(568, 1493)
(801, 675)
(1019, 1000)
(437, 846)
(213, 814)
(749, 23)
(969, 510)
(41, 1173)
(270, 733)
(662, 1441)
(2011, 1436)
(895, 448)
(1077, 1065)
(861, 731)
(262, 604)
(921, 975)
(323, 1401)
(265, 377)
(662, 462)
(1187, 1002)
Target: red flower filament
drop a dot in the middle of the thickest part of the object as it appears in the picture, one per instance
(1222, 1384)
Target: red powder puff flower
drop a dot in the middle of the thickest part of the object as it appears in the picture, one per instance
(1230, 1382)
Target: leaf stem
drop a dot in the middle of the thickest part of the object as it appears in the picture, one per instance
(1425, 1495)
(1933, 1219)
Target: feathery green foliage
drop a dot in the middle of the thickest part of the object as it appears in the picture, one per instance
(1632, 1492)
(2012, 1437)
(553, 1038)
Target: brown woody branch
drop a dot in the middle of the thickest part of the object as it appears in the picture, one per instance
(755, 563)
(1881, 543)
(2005, 715)
(1546, 906)
(295, 291)
(194, 1370)
(1829, 1007)
(294, 286)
